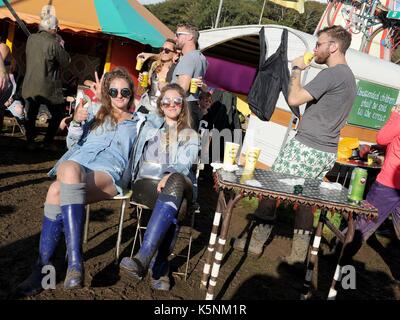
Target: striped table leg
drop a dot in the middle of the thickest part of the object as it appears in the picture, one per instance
(338, 272)
(219, 254)
(305, 294)
(221, 205)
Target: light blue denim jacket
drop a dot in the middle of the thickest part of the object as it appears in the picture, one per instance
(106, 148)
(183, 153)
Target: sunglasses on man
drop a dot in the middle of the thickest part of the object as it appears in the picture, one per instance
(125, 92)
(181, 33)
(166, 50)
(166, 102)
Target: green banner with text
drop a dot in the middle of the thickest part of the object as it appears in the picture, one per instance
(372, 105)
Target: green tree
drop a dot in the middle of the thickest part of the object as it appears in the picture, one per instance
(202, 13)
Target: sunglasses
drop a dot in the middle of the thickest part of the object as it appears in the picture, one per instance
(125, 92)
(177, 34)
(318, 44)
(166, 102)
(166, 50)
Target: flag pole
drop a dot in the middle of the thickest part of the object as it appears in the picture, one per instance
(262, 12)
(219, 13)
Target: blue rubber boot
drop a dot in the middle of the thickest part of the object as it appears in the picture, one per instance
(159, 264)
(73, 217)
(163, 216)
(49, 238)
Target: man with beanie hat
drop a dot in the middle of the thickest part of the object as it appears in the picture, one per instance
(45, 55)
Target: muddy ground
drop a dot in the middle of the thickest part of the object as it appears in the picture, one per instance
(23, 186)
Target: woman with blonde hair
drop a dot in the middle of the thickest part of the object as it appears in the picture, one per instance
(99, 139)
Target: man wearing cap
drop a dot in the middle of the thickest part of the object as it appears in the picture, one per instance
(45, 55)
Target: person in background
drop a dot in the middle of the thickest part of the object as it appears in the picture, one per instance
(157, 76)
(312, 152)
(192, 65)
(45, 56)
(385, 191)
(94, 168)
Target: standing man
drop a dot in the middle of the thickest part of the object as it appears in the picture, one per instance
(192, 64)
(45, 55)
(312, 152)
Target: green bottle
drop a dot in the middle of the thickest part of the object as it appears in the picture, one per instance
(357, 185)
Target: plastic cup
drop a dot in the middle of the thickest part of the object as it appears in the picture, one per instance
(231, 150)
(145, 80)
(252, 155)
(193, 86)
(139, 64)
(308, 56)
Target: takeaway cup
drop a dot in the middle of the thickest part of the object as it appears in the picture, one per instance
(252, 154)
(308, 56)
(231, 150)
(139, 64)
(193, 85)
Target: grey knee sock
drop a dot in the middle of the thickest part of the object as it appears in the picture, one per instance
(72, 193)
(51, 211)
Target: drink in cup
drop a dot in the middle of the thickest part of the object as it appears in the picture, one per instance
(308, 56)
(252, 155)
(139, 64)
(145, 80)
(231, 150)
(193, 86)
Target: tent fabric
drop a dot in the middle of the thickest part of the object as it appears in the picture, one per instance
(125, 18)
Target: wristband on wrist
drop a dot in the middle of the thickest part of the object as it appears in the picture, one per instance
(75, 123)
(296, 68)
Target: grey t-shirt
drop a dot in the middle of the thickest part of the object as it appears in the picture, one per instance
(334, 90)
(192, 64)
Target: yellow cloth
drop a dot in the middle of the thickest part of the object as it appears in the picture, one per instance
(296, 5)
(346, 146)
(242, 105)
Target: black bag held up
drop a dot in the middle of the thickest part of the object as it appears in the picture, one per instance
(272, 78)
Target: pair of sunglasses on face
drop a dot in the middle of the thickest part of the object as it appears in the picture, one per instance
(125, 92)
(166, 102)
(166, 50)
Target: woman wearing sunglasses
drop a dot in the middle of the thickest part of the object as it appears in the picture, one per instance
(162, 179)
(91, 170)
(158, 75)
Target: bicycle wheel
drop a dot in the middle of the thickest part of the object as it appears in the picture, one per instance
(374, 38)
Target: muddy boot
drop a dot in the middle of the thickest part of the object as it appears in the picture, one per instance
(163, 216)
(73, 218)
(49, 238)
(298, 255)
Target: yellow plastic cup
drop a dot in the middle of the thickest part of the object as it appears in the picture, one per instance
(145, 80)
(231, 150)
(252, 155)
(139, 64)
(308, 56)
(193, 86)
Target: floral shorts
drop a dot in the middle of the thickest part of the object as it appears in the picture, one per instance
(299, 160)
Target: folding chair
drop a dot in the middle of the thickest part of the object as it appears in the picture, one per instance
(124, 200)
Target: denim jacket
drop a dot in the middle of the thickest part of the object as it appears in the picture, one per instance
(87, 147)
(183, 153)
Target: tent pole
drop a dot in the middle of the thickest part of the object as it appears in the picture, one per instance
(19, 21)
(107, 65)
(10, 36)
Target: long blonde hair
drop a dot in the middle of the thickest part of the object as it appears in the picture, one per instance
(106, 109)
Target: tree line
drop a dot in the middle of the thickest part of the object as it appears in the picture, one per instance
(202, 13)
